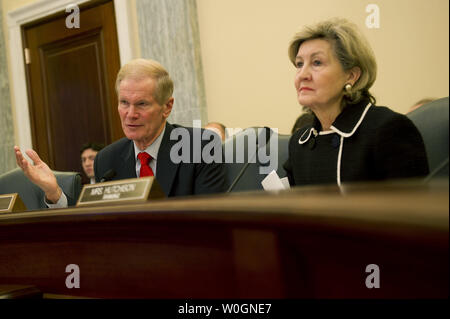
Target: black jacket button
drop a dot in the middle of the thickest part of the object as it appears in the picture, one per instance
(312, 143)
(335, 141)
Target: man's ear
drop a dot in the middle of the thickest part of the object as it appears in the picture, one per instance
(353, 75)
(168, 107)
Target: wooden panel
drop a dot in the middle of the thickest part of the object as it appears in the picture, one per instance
(303, 243)
(145, 265)
(258, 267)
(83, 107)
(71, 82)
(19, 292)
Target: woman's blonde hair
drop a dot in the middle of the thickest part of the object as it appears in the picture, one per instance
(351, 49)
(142, 68)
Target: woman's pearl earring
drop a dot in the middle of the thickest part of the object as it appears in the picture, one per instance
(348, 88)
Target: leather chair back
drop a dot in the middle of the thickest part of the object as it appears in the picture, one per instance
(33, 197)
(249, 166)
(431, 119)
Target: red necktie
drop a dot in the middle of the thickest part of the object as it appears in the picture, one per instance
(146, 170)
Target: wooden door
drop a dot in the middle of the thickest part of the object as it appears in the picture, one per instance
(71, 83)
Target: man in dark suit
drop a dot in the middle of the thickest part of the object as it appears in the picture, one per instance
(144, 90)
(175, 179)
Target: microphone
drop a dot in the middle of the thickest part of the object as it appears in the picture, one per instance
(260, 142)
(266, 132)
(108, 176)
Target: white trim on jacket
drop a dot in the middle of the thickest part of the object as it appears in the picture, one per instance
(333, 129)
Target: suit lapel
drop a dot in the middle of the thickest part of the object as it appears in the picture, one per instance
(129, 161)
(166, 170)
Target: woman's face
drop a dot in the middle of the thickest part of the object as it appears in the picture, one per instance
(320, 79)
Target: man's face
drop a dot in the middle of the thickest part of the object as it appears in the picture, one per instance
(87, 162)
(142, 117)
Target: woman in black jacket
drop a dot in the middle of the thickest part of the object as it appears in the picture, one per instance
(350, 138)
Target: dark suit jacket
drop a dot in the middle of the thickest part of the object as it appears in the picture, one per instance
(176, 179)
(377, 145)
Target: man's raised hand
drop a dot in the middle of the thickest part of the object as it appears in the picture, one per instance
(39, 173)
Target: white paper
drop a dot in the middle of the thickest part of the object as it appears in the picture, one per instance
(285, 182)
(272, 182)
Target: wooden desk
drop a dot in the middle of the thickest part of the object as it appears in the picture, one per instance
(302, 243)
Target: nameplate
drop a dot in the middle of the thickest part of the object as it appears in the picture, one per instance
(134, 190)
(11, 203)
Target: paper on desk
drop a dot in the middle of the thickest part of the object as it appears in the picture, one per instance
(272, 182)
(285, 182)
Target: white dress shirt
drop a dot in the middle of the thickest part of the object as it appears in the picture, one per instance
(152, 150)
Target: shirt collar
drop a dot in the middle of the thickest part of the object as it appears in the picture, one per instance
(345, 124)
(153, 148)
